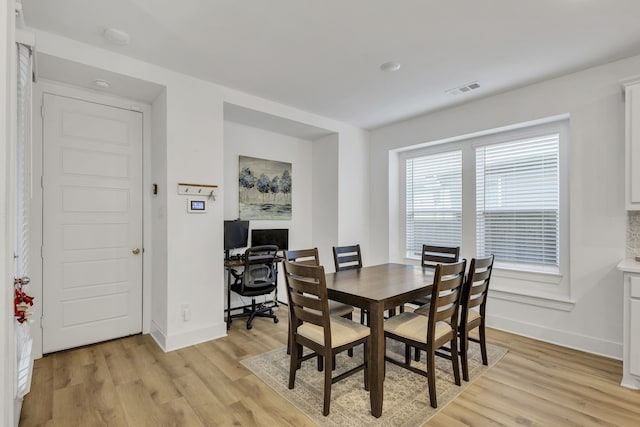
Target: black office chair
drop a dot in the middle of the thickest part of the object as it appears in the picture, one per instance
(259, 277)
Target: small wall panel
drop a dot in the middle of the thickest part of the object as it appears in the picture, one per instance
(94, 309)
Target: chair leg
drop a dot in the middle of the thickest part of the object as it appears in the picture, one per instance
(367, 358)
(483, 344)
(407, 354)
(464, 348)
(320, 363)
(350, 351)
(454, 358)
(327, 384)
(294, 364)
(431, 376)
(417, 355)
(289, 338)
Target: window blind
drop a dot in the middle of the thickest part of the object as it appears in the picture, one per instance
(517, 201)
(433, 201)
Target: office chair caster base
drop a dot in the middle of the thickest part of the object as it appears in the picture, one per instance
(276, 320)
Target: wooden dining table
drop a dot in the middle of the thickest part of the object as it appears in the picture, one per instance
(378, 288)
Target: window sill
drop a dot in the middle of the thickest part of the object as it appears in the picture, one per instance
(524, 294)
(544, 277)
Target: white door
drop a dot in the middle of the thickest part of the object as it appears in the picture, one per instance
(92, 223)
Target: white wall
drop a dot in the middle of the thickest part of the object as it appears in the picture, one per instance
(593, 99)
(243, 140)
(158, 214)
(325, 198)
(193, 151)
(354, 191)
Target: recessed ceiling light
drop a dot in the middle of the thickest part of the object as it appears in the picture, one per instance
(389, 67)
(117, 37)
(101, 83)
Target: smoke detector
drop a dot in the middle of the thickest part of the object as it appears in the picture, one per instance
(464, 88)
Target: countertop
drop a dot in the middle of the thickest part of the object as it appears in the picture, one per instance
(629, 265)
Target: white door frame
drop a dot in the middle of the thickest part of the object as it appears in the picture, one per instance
(40, 88)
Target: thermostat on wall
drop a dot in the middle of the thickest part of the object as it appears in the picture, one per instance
(196, 205)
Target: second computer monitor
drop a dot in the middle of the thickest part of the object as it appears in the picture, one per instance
(273, 236)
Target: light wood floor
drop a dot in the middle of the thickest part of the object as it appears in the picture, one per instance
(131, 382)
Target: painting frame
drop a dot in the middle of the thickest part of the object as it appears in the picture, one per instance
(264, 189)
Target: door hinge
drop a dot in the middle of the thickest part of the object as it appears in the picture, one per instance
(42, 182)
(42, 111)
(42, 252)
(42, 322)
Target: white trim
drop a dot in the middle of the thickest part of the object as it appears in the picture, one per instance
(189, 338)
(546, 301)
(40, 88)
(554, 336)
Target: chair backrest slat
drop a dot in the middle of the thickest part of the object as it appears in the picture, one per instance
(347, 257)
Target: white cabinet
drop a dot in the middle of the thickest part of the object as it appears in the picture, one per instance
(632, 144)
(631, 324)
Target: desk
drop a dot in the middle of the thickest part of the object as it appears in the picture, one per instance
(379, 288)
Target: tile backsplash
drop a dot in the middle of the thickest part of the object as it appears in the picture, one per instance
(633, 234)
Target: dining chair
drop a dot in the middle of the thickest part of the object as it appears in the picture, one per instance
(312, 257)
(348, 258)
(473, 309)
(431, 256)
(316, 329)
(429, 333)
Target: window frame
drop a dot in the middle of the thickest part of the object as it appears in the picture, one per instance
(517, 280)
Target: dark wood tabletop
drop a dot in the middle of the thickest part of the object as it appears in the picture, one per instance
(378, 288)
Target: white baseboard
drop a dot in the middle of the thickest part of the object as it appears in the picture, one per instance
(563, 338)
(17, 409)
(185, 339)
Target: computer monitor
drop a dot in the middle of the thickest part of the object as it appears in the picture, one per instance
(236, 234)
(273, 236)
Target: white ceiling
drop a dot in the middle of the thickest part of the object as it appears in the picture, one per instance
(324, 56)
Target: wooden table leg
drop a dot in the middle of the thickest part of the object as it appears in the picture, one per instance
(376, 370)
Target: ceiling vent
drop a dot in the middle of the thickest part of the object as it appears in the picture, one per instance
(464, 88)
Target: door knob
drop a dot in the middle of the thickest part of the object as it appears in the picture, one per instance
(136, 251)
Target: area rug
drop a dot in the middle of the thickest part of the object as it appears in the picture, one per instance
(406, 396)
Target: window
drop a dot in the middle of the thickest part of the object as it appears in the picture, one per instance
(518, 202)
(502, 193)
(433, 201)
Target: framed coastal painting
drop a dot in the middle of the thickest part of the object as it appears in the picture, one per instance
(265, 189)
